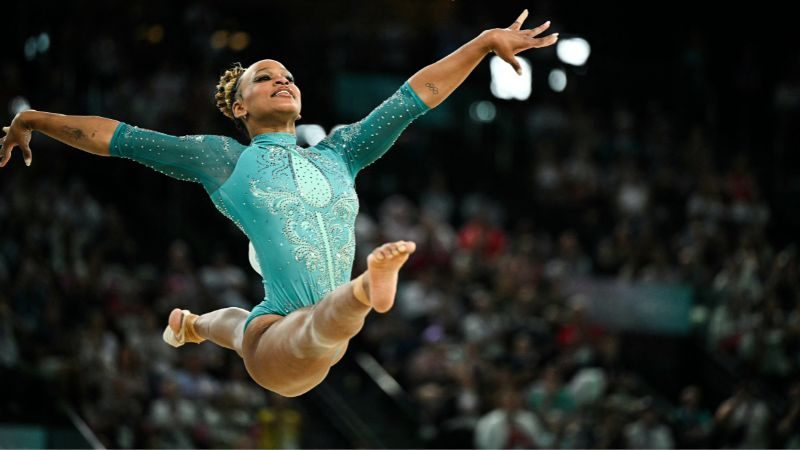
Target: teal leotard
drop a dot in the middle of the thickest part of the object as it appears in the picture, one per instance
(297, 205)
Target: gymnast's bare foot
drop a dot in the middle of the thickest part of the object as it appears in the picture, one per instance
(383, 265)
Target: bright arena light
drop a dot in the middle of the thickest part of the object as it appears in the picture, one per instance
(574, 51)
(506, 84)
(219, 39)
(557, 80)
(483, 111)
(310, 134)
(43, 42)
(30, 48)
(36, 44)
(239, 41)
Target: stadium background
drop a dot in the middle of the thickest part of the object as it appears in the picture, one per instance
(616, 261)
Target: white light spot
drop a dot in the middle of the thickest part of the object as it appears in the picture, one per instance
(43, 42)
(574, 51)
(18, 104)
(483, 111)
(30, 48)
(557, 80)
(506, 84)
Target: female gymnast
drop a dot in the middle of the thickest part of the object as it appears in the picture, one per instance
(297, 205)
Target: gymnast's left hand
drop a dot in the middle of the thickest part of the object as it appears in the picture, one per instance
(17, 135)
(507, 42)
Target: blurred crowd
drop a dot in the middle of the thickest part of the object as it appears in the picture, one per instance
(484, 337)
(497, 355)
(91, 325)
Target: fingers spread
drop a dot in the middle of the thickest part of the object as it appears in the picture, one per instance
(547, 41)
(518, 23)
(538, 30)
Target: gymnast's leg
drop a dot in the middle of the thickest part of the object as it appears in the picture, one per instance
(224, 327)
(291, 355)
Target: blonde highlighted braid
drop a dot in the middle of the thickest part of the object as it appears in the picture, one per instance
(226, 91)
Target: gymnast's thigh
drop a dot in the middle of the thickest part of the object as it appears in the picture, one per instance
(271, 355)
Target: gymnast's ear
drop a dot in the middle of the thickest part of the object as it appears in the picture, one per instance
(238, 110)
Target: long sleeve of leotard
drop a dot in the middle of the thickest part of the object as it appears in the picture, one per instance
(363, 142)
(204, 159)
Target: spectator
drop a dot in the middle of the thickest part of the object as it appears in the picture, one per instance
(693, 423)
(788, 429)
(510, 426)
(743, 419)
(648, 431)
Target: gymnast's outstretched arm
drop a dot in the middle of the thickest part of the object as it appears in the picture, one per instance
(91, 134)
(437, 81)
(204, 159)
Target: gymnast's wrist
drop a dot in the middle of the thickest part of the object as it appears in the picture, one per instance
(487, 40)
(27, 119)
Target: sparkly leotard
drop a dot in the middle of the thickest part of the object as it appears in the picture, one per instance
(297, 205)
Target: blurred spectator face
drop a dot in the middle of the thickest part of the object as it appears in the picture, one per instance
(569, 244)
(690, 397)
(552, 378)
(650, 417)
(521, 344)
(258, 95)
(509, 400)
(178, 255)
(482, 302)
(431, 396)
(577, 314)
(169, 389)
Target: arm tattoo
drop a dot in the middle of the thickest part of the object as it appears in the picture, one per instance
(75, 133)
(432, 87)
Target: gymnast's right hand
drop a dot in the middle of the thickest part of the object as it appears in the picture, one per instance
(17, 134)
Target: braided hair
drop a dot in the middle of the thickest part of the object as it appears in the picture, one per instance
(226, 93)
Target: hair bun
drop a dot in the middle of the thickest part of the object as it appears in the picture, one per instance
(224, 96)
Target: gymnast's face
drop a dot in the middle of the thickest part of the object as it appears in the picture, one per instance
(267, 93)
